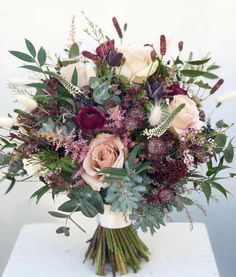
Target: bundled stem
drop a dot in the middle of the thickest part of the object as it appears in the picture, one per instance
(120, 248)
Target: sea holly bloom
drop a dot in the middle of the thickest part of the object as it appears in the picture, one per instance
(90, 118)
(104, 151)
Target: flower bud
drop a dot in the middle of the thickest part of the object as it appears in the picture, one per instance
(216, 86)
(6, 122)
(180, 45)
(162, 45)
(29, 103)
(117, 27)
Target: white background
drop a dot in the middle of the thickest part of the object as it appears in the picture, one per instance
(204, 26)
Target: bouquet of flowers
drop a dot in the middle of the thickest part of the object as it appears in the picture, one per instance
(122, 132)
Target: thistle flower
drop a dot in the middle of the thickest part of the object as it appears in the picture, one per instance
(156, 148)
(133, 119)
(29, 103)
(6, 122)
(155, 115)
(165, 195)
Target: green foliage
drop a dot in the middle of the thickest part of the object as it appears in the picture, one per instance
(199, 62)
(221, 124)
(63, 230)
(67, 85)
(57, 214)
(40, 192)
(196, 73)
(42, 56)
(229, 152)
(32, 68)
(30, 47)
(148, 217)
(70, 206)
(206, 188)
(74, 78)
(88, 200)
(22, 56)
(220, 141)
(13, 181)
(100, 90)
(74, 50)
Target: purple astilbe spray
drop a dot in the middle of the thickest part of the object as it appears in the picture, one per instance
(116, 118)
(76, 146)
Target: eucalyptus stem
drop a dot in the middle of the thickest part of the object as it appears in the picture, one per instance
(120, 248)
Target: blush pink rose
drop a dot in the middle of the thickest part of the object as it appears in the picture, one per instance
(104, 151)
(188, 116)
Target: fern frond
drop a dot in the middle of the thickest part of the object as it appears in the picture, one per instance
(162, 128)
(67, 85)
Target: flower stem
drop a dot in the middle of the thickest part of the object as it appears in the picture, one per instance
(120, 248)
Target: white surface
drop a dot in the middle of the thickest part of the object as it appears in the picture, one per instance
(175, 252)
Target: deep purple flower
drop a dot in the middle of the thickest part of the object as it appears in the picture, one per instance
(114, 58)
(165, 195)
(176, 170)
(90, 118)
(134, 90)
(104, 48)
(156, 90)
(175, 89)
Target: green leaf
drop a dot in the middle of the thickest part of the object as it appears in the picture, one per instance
(57, 214)
(213, 67)
(70, 206)
(22, 56)
(33, 68)
(90, 200)
(206, 188)
(133, 156)
(74, 78)
(229, 152)
(101, 93)
(220, 141)
(94, 82)
(220, 188)
(13, 181)
(232, 175)
(39, 193)
(63, 230)
(201, 84)
(42, 56)
(37, 85)
(119, 172)
(74, 50)
(221, 124)
(196, 73)
(199, 62)
(30, 47)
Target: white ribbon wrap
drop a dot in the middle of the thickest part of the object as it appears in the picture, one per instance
(113, 220)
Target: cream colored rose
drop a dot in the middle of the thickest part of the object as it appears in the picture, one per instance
(188, 116)
(138, 64)
(105, 151)
(6, 122)
(85, 70)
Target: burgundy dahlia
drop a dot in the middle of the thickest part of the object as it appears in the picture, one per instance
(165, 195)
(176, 169)
(103, 49)
(90, 118)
